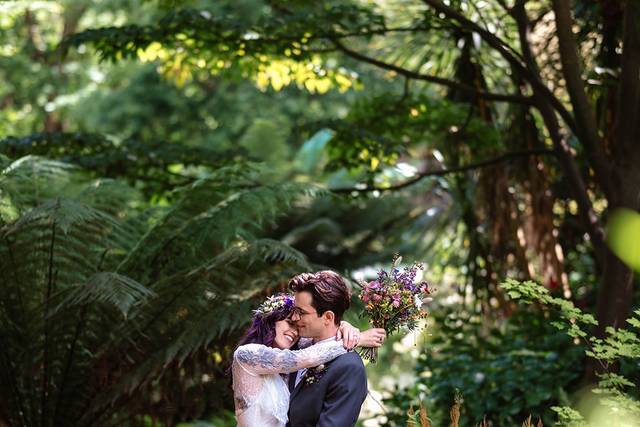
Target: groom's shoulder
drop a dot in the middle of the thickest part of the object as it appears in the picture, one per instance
(348, 368)
(349, 360)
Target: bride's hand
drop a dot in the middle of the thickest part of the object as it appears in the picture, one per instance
(373, 337)
(349, 335)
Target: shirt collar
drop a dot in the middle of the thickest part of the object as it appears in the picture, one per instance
(325, 340)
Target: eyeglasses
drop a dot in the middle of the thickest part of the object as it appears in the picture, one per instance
(300, 312)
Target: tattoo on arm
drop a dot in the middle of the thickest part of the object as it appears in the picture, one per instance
(266, 358)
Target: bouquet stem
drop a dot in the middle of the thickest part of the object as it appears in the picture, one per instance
(369, 353)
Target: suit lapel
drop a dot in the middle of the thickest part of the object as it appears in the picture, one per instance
(292, 381)
(296, 388)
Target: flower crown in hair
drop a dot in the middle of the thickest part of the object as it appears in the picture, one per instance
(273, 303)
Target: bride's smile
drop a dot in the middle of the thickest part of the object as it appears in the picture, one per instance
(286, 334)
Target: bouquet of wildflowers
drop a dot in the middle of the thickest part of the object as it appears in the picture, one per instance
(393, 301)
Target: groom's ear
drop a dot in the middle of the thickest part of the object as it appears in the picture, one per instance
(329, 316)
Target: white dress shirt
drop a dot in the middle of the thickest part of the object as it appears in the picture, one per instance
(303, 371)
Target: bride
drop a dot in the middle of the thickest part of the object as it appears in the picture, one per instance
(270, 349)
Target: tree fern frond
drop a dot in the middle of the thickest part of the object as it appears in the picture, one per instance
(221, 318)
(238, 214)
(30, 180)
(64, 213)
(115, 289)
(192, 200)
(110, 196)
(102, 296)
(250, 209)
(319, 229)
(4, 161)
(184, 296)
(275, 250)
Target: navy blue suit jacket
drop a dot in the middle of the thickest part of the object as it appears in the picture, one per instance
(334, 400)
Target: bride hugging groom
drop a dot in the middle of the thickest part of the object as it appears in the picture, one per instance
(294, 366)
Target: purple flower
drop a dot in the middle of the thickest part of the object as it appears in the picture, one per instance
(394, 298)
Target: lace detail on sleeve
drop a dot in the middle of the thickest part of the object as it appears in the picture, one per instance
(305, 342)
(260, 359)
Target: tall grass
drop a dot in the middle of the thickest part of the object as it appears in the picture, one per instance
(420, 418)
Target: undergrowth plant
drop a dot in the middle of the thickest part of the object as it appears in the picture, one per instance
(614, 399)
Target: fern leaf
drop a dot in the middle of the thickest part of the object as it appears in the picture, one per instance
(120, 291)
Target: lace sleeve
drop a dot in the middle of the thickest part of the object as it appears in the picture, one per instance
(305, 342)
(260, 359)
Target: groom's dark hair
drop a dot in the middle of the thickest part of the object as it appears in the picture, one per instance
(328, 290)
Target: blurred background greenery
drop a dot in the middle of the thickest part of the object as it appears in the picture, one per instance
(165, 165)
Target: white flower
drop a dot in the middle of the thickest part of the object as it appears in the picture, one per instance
(417, 301)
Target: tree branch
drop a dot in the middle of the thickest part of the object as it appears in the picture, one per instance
(627, 128)
(544, 104)
(442, 172)
(433, 79)
(33, 37)
(515, 59)
(494, 41)
(504, 6)
(582, 108)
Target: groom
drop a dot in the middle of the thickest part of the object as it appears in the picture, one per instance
(329, 395)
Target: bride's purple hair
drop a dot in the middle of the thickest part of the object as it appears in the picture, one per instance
(263, 328)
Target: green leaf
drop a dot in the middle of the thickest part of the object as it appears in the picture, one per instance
(623, 235)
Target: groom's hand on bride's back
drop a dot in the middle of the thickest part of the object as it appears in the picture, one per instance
(373, 337)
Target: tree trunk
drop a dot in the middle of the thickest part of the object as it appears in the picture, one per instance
(582, 108)
(616, 288)
(615, 293)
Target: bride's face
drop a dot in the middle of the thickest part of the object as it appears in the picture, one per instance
(286, 334)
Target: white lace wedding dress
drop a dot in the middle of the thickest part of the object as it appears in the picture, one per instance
(261, 394)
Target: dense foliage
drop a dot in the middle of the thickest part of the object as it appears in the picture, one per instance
(517, 370)
(164, 165)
